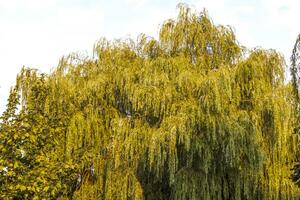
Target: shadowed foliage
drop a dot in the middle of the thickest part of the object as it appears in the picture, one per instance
(295, 72)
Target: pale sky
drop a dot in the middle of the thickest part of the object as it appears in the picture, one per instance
(36, 33)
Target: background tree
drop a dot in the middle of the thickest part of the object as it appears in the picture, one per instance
(295, 67)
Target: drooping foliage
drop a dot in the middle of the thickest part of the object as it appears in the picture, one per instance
(187, 116)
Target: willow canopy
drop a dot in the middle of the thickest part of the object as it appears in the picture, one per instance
(187, 116)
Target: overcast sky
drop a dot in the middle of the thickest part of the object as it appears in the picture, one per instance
(36, 33)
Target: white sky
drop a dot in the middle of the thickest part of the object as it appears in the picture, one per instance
(36, 33)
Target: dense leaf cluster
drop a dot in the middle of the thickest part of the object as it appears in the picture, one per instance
(192, 115)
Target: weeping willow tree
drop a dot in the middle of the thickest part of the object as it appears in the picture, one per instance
(184, 117)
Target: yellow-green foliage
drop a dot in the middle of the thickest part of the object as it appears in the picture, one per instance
(184, 117)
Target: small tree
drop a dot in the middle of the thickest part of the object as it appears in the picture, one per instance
(295, 74)
(30, 166)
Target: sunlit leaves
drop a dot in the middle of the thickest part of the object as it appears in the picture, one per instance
(182, 117)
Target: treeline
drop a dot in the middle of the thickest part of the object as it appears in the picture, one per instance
(192, 115)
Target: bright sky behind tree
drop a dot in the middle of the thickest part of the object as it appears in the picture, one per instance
(37, 33)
